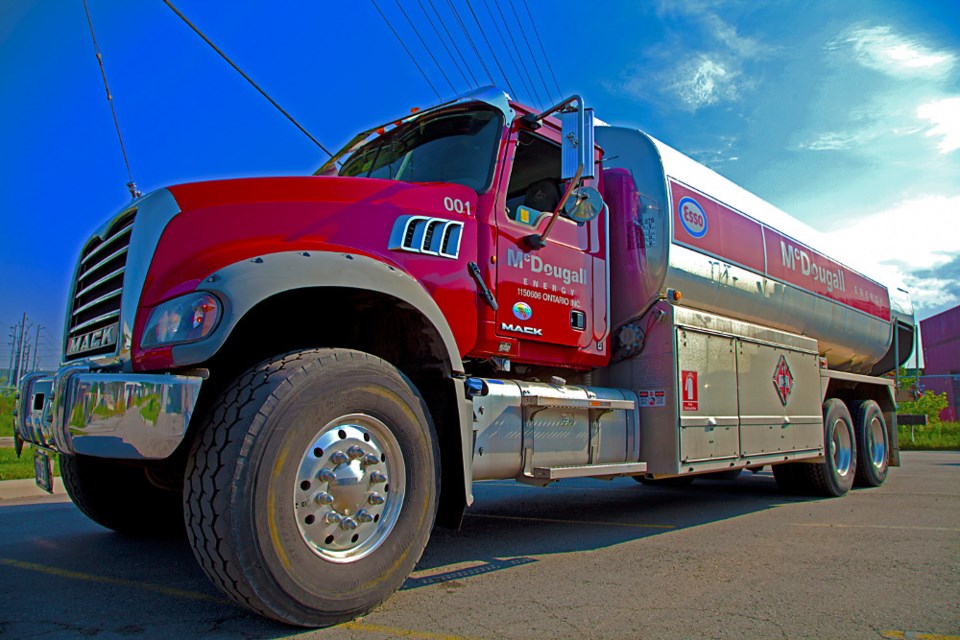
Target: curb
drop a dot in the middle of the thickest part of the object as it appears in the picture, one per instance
(17, 489)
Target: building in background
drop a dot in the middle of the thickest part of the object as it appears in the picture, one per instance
(941, 354)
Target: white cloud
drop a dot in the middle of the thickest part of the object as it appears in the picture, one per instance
(705, 81)
(834, 140)
(881, 49)
(905, 246)
(945, 116)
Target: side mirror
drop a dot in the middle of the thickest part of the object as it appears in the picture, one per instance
(583, 205)
(577, 143)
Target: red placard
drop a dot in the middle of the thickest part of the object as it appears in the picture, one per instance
(689, 391)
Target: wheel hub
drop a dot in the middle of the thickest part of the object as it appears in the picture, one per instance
(349, 488)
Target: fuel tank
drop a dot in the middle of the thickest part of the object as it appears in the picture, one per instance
(677, 225)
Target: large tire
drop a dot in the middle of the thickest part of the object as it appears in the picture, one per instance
(834, 477)
(121, 497)
(872, 443)
(312, 488)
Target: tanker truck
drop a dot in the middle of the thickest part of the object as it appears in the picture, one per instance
(307, 373)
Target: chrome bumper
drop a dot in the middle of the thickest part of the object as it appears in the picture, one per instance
(107, 415)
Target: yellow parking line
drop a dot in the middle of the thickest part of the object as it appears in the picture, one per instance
(119, 582)
(555, 520)
(874, 526)
(396, 632)
(893, 634)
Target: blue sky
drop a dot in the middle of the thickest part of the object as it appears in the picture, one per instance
(846, 114)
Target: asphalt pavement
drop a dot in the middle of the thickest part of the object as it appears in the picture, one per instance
(579, 559)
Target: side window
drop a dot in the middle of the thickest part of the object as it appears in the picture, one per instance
(535, 187)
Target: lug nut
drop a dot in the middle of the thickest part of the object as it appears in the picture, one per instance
(377, 478)
(363, 516)
(355, 452)
(370, 460)
(323, 498)
(375, 499)
(333, 517)
(348, 523)
(338, 457)
(326, 475)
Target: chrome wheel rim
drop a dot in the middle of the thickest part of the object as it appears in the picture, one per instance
(349, 488)
(877, 437)
(842, 447)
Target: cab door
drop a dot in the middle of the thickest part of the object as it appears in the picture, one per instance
(555, 295)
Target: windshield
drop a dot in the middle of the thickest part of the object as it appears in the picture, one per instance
(455, 147)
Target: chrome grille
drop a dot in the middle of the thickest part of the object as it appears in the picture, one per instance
(95, 309)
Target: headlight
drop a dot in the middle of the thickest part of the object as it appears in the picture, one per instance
(185, 319)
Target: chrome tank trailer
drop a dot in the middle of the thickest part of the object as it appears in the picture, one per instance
(677, 226)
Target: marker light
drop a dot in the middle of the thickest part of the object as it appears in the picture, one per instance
(186, 319)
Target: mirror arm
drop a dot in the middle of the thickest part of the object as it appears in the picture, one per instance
(532, 121)
(538, 241)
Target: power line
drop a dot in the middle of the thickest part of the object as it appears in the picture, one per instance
(429, 52)
(400, 40)
(531, 93)
(506, 46)
(544, 51)
(131, 185)
(246, 77)
(536, 64)
(466, 33)
(443, 42)
(454, 43)
(492, 52)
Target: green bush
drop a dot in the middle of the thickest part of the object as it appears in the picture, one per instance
(938, 436)
(6, 412)
(929, 404)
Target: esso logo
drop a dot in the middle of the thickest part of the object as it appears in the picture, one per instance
(693, 217)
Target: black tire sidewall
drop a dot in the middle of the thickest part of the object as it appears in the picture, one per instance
(836, 411)
(867, 474)
(263, 516)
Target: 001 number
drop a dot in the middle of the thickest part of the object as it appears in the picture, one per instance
(456, 205)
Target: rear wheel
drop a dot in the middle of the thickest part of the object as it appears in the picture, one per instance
(312, 488)
(872, 443)
(835, 475)
(121, 496)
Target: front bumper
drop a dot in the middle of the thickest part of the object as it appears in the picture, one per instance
(106, 415)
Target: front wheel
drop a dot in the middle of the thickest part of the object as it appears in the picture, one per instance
(312, 488)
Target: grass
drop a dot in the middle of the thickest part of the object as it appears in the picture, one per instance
(939, 436)
(6, 412)
(12, 468)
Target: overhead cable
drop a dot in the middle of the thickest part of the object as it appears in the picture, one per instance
(429, 52)
(246, 77)
(545, 56)
(492, 52)
(454, 43)
(466, 34)
(400, 40)
(507, 47)
(536, 64)
(444, 43)
(131, 185)
(532, 90)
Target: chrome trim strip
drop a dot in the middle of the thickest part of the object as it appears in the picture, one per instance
(101, 281)
(110, 257)
(103, 298)
(106, 316)
(113, 238)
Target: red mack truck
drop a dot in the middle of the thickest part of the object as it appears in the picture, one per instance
(306, 373)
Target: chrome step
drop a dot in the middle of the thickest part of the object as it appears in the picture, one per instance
(544, 402)
(589, 470)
